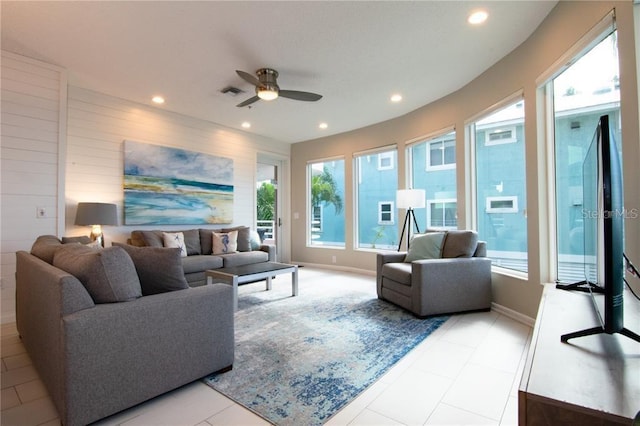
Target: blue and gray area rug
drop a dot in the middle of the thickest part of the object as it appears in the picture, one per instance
(299, 360)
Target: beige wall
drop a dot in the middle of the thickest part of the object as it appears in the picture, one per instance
(516, 73)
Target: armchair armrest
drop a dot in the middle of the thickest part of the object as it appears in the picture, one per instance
(451, 285)
(381, 259)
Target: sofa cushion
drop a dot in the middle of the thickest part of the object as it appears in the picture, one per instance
(192, 241)
(225, 242)
(175, 240)
(206, 241)
(146, 238)
(244, 258)
(108, 275)
(425, 246)
(460, 243)
(199, 263)
(159, 268)
(45, 246)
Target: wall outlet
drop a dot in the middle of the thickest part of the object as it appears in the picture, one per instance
(41, 212)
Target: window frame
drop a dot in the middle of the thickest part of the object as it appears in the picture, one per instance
(512, 139)
(385, 156)
(492, 210)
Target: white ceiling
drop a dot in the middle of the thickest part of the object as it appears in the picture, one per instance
(356, 54)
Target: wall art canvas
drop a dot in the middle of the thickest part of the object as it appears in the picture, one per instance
(170, 186)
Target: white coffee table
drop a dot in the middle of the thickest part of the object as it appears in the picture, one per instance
(238, 275)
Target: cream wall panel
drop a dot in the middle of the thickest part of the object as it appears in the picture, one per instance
(33, 94)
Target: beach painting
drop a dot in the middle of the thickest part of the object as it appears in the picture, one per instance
(170, 186)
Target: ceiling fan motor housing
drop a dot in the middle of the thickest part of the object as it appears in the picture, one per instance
(267, 78)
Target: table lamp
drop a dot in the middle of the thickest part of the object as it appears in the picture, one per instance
(96, 215)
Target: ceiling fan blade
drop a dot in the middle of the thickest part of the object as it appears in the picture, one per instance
(248, 78)
(248, 101)
(299, 96)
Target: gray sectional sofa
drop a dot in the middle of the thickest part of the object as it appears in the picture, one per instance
(107, 330)
(200, 253)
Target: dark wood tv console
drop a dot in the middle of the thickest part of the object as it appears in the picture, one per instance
(591, 380)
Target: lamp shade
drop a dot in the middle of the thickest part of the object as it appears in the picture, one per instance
(410, 198)
(96, 214)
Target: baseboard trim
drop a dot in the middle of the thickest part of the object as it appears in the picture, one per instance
(514, 315)
(336, 268)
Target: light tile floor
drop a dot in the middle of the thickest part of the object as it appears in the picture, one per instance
(465, 373)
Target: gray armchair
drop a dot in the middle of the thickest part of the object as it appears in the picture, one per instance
(459, 280)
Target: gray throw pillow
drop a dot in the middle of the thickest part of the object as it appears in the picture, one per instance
(159, 268)
(425, 246)
(255, 240)
(108, 275)
(206, 241)
(192, 241)
(45, 246)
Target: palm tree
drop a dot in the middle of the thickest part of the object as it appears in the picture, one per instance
(325, 190)
(266, 196)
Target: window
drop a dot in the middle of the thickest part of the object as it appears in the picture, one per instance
(581, 94)
(377, 182)
(500, 169)
(326, 226)
(500, 135)
(441, 155)
(442, 214)
(431, 164)
(386, 161)
(502, 204)
(385, 213)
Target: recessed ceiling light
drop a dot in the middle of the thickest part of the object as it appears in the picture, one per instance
(396, 97)
(157, 100)
(477, 17)
(246, 125)
(323, 126)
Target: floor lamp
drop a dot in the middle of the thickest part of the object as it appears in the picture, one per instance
(409, 199)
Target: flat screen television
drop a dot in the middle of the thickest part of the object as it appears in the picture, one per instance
(603, 221)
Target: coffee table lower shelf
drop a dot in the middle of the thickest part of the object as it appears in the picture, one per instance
(238, 275)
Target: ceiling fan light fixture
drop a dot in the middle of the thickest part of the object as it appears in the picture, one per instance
(267, 92)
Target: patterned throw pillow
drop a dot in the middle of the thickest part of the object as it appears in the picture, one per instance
(225, 242)
(175, 240)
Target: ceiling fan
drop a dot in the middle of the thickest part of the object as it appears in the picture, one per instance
(267, 88)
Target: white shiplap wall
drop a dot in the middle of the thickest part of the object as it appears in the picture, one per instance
(62, 145)
(33, 109)
(99, 124)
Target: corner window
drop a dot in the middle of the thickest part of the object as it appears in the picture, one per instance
(376, 184)
(326, 220)
(501, 220)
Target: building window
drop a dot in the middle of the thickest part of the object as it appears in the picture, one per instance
(502, 204)
(385, 160)
(385, 213)
(500, 135)
(442, 214)
(441, 155)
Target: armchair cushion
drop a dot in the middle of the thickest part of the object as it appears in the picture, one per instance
(425, 246)
(460, 243)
